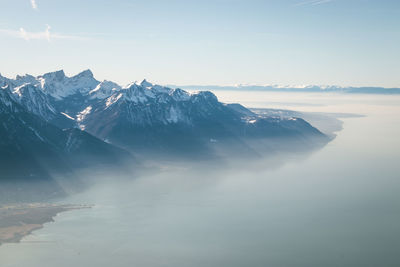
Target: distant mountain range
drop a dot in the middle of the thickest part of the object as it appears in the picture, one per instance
(54, 123)
(308, 88)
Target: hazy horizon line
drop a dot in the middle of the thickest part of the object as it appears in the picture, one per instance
(220, 86)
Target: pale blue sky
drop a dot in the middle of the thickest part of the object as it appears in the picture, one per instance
(336, 42)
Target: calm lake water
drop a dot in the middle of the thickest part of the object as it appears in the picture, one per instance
(339, 206)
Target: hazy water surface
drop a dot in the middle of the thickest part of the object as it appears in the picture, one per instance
(338, 207)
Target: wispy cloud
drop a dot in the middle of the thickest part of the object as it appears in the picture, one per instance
(44, 35)
(34, 4)
(313, 2)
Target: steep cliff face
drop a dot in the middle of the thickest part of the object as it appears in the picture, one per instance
(32, 148)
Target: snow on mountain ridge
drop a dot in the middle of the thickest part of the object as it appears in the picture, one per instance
(34, 101)
(59, 86)
(20, 80)
(104, 89)
(52, 95)
(145, 83)
(136, 93)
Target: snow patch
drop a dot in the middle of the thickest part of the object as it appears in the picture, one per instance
(68, 116)
(82, 115)
(104, 90)
(112, 99)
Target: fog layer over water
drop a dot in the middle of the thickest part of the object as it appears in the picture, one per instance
(339, 206)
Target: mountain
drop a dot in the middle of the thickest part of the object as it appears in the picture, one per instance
(145, 118)
(59, 86)
(308, 88)
(31, 147)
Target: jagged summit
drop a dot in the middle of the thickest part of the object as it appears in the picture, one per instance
(54, 93)
(141, 115)
(104, 90)
(25, 78)
(55, 75)
(78, 119)
(145, 83)
(85, 73)
(58, 85)
(60, 74)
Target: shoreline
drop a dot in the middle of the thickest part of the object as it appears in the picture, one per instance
(20, 220)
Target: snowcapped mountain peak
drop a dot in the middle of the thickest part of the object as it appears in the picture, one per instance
(86, 73)
(59, 86)
(180, 95)
(204, 96)
(109, 84)
(136, 93)
(140, 117)
(46, 96)
(104, 90)
(56, 85)
(131, 86)
(24, 79)
(146, 84)
(84, 79)
(27, 78)
(160, 89)
(56, 75)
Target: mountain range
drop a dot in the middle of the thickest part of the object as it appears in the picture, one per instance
(304, 89)
(54, 123)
